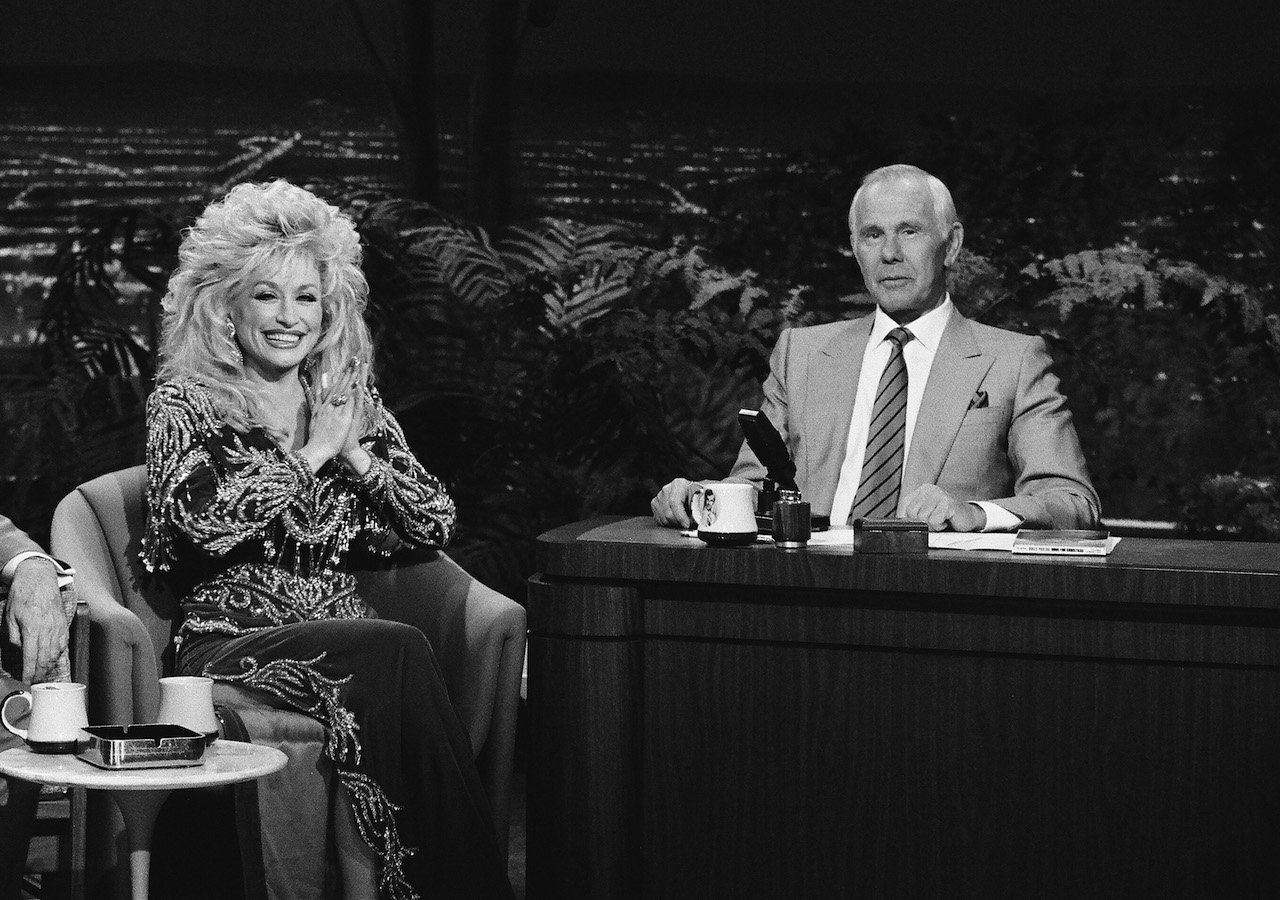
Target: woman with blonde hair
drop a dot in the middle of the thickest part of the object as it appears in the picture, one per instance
(271, 461)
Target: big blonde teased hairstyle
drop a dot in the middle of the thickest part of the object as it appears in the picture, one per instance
(253, 228)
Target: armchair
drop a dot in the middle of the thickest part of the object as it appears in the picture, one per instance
(478, 636)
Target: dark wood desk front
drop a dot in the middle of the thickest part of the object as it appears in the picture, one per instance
(751, 722)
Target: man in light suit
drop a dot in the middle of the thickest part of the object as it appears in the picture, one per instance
(34, 624)
(985, 440)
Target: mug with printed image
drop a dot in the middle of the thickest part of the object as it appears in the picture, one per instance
(725, 512)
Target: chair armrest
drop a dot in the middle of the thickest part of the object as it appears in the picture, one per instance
(479, 638)
(471, 628)
(79, 638)
(123, 682)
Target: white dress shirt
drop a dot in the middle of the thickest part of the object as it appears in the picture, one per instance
(918, 353)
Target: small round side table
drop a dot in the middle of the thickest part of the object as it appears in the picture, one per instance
(140, 792)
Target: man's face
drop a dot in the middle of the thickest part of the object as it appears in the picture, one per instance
(902, 249)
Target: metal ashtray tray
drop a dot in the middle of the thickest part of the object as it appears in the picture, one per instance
(140, 746)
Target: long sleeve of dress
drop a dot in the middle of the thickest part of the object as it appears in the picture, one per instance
(224, 493)
(216, 494)
(406, 499)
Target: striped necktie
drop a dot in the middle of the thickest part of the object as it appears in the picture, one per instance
(886, 438)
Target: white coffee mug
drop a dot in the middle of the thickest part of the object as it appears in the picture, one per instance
(58, 712)
(725, 512)
(187, 700)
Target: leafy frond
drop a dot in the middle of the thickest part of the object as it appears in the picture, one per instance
(551, 244)
(99, 313)
(1114, 276)
(100, 349)
(793, 308)
(597, 290)
(976, 285)
(468, 264)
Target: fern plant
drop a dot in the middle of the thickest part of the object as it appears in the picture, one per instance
(1173, 374)
(80, 412)
(1234, 506)
(556, 369)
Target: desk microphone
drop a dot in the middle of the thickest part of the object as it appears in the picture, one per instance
(767, 445)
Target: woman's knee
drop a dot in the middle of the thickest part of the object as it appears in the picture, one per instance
(393, 633)
(387, 642)
(354, 634)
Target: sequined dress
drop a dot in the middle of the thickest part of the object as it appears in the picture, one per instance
(258, 549)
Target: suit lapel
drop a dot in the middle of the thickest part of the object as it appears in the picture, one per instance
(958, 369)
(834, 388)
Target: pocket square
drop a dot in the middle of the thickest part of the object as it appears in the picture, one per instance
(979, 400)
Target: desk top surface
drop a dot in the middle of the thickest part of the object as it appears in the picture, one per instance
(1139, 570)
(225, 762)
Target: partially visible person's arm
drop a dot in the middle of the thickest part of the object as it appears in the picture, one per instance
(34, 619)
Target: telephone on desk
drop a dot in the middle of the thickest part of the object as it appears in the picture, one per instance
(780, 468)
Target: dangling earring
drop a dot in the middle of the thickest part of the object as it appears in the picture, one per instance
(230, 328)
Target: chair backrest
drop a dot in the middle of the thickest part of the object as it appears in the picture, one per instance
(105, 518)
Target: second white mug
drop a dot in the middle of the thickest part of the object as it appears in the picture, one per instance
(187, 700)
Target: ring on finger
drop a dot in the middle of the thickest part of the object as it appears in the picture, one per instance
(338, 399)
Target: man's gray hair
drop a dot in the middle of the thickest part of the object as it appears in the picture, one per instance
(944, 208)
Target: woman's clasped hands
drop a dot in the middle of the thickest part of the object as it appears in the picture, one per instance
(337, 419)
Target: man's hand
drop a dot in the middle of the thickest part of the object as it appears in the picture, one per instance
(35, 619)
(671, 506)
(940, 510)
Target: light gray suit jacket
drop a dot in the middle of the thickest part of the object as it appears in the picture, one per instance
(992, 424)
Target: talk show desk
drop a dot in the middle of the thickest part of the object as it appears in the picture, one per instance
(752, 722)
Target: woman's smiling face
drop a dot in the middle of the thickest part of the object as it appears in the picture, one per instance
(278, 317)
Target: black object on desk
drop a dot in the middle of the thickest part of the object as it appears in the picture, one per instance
(817, 522)
(791, 521)
(890, 536)
(767, 445)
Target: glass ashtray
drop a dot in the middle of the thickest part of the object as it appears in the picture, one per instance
(140, 746)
